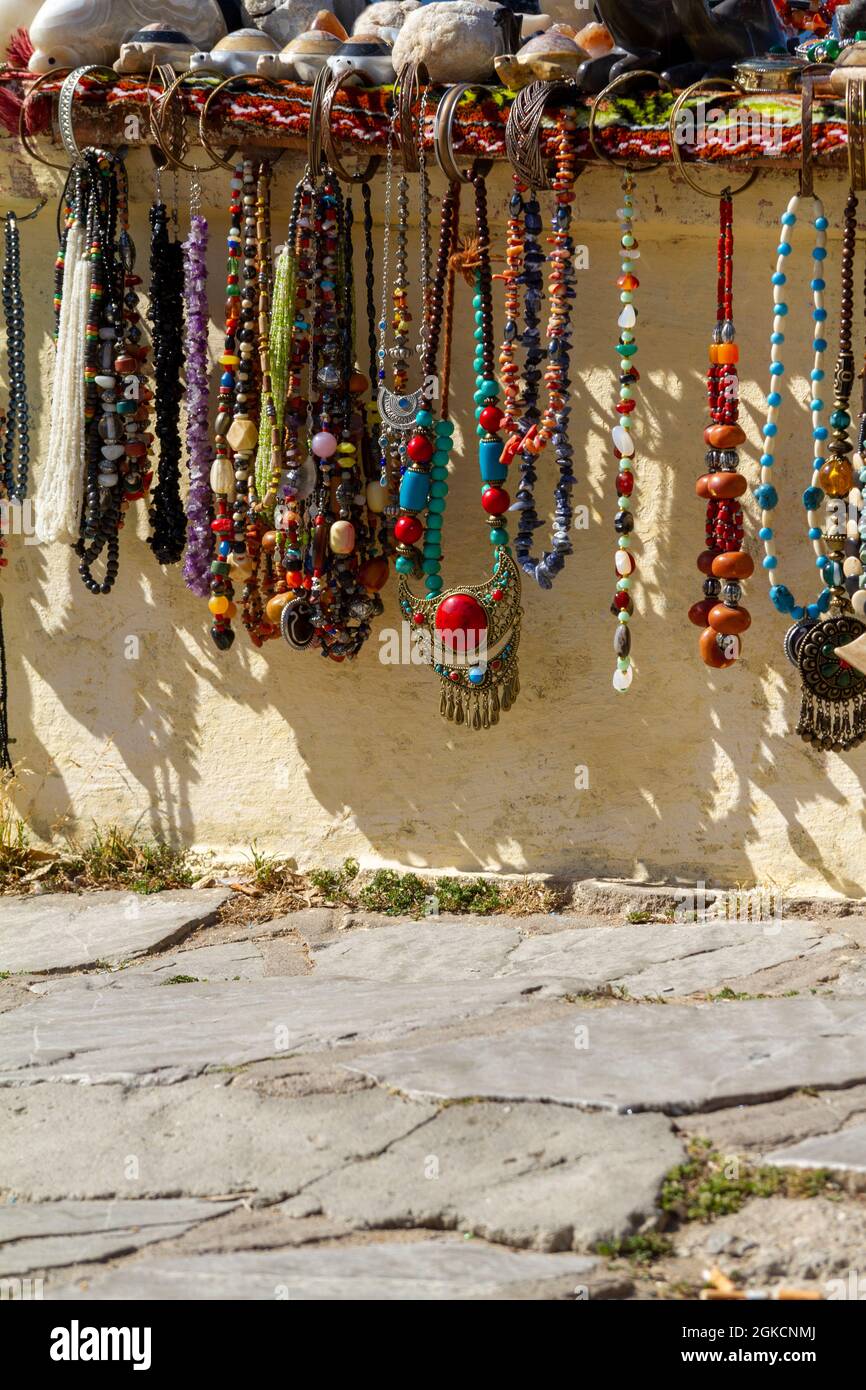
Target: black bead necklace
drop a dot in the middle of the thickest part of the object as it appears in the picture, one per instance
(166, 319)
(17, 436)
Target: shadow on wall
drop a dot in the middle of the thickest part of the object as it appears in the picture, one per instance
(124, 711)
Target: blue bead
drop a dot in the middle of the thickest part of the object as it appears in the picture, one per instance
(821, 224)
(779, 278)
(767, 460)
(788, 219)
(781, 597)
(818, 284)
(766, 497)
(774, 398)
(770, 429)
(227, 379)
(814, 533)
(770, 562)
(424, 418)
(819, 315)
(403, 565)
(817, 374)
(816, 404)
(765, 533)
(489, 388)
(824, 600)
(476, 674)
(776, 369)
(784, 248)
(819, 344)
(798, 613)
(819, 253)
(821, 432)
(818, 462)
(822, 562)
(434, 583)
(777, 338)
(814, 611)
(780, 310)
(812, 498)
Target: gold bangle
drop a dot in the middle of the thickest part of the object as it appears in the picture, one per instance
(675, 144)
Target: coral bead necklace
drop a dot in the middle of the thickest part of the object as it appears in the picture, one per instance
(723, 562)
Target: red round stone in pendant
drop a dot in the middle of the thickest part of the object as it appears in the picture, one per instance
(461, 623)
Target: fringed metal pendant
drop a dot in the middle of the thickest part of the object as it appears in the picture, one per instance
(833, 706)
(472, 635)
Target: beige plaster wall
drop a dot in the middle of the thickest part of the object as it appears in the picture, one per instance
(693, 775)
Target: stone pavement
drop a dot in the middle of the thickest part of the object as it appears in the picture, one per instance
(341, 1106)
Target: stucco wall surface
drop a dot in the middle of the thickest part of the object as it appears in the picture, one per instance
(693, 775)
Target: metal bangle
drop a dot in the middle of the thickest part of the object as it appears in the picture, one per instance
(676, 153)
(23, 134)
(410, 79)
(363, 175)
(223, 160)
(443, 147)
(523, 130)
(620, 81)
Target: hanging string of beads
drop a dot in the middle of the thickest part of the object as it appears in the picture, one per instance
(16, 437)
(623, 443)
(723, 562)
(222, 475)
(533, 429)
(472, 634)
(766, 494)
(167, 518)
(199, 515)
(116, 396)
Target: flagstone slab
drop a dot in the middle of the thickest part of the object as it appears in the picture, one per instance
(431, 1270)
(135, 1031)
(674, 1058)
(69, 931)
(230, 960)
(844, 1150)
(661, 958)
(202, 1138)
(539, 1176)
(419, 951)
(52, 1234)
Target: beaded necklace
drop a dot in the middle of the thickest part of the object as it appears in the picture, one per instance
(622, 605)
(472, 634)
(833, 703)
(424, 483)
(16, 439)
(531, 429)
(199, 537)
(166, 318)
(234, 431)
(116, 396)
(5, 755)
(723, 562)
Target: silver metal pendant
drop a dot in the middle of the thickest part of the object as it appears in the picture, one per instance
(397, 412)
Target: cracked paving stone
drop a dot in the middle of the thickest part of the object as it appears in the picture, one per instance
(62, 1141)
(778, 1123)
(135, 1031)
(845, 1150)
(63, 931)
(541, 1176)
(419, 951)
(632, 1057)
(385, 1272)
(676, 959)
(53, 1234)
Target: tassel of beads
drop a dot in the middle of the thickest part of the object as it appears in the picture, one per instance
(623, 444)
